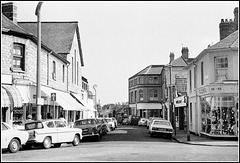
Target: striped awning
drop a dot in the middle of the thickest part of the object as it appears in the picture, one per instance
(6, 101)
(64, 99)
(14, 96)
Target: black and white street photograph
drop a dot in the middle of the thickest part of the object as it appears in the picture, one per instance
(119, 81)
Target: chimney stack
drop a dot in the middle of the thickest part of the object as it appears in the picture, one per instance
(10, 11)
(171, 57)
(227, 27)
(185, 52)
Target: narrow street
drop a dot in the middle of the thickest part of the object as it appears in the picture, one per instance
(126, 143)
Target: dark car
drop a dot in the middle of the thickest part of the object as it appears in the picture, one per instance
(104, 126)
(134, 120)
(90, 128)
(126, 121)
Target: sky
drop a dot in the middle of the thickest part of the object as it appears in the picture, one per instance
(121, 38)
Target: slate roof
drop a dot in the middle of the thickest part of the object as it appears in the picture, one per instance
(150, 70)
(230, 41)
(56, 35)
(8, 25)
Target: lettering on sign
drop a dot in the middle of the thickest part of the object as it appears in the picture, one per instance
(202, 90)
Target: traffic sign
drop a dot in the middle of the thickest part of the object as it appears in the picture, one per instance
(53, 96)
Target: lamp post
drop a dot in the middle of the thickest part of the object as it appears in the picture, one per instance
(38, 92)
(95, 101)
(172, 113)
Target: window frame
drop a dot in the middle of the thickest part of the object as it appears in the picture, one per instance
(216, 63)
(20, 58)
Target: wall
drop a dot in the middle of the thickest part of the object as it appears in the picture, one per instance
(72, 86)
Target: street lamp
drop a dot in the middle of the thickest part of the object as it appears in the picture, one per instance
(172, 112)
(95, 101)
(38, 91)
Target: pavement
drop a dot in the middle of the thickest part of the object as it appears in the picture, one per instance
(182, 137)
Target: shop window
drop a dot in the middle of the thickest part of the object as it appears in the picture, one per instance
(218, 115)
(221, 68)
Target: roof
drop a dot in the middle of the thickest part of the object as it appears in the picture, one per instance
(8, 25)
(56, 35)
(230, 41)
(151, 70)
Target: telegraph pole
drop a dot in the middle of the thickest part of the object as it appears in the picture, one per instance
(38, 91)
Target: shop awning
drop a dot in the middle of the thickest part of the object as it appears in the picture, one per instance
(64, 99)
(6, 101)
(13, 94)
(149, 106)
(81, 101)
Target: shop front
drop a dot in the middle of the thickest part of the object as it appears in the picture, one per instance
(147, 110)
(219, 110)
(180, 107)
(11, 104)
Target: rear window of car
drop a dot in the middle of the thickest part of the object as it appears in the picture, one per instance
(85, 122)
(33, 125)
(161, 123)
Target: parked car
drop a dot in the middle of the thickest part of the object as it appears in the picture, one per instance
(150, 119)
(12, 139)
(134, 120)
(111, 123)
(161, 126)
(90, 128)
(51, 131)
(126, 121)
(142, 122)
(104, 125)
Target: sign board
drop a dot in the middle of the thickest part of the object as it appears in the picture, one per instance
(180, 101)
(53, 96)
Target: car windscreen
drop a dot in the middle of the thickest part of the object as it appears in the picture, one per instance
(33, 125)
(84, 122)
(161, 123)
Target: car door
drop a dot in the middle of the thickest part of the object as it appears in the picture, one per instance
(5, 136)
(64, 134)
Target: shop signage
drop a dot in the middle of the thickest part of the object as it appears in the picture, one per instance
(44, 97)
(180, 101)
(202, 91)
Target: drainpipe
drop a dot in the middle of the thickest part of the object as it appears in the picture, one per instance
(38, 98)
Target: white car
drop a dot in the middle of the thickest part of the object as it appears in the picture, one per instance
(51, 131)
(142, 122)
(111, 123)
(161, 126)
(12, 139)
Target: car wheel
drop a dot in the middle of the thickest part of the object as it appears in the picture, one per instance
(14, 146)
(47, 143)
(57, 145)
(76, 140)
